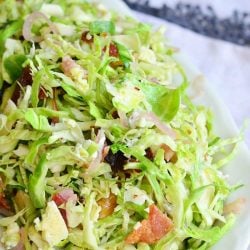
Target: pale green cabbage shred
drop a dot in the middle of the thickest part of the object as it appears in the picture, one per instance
(125, 92)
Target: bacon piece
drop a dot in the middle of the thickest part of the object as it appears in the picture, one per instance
(5, 208)
(64, 215)
(149, 154)
(115, 114)
(160, 223)
(42, 94)
(113, 50)
(107, 205)
(152, 229)
(63, 196)
(142, 234)
(3, 202)
(87, 37)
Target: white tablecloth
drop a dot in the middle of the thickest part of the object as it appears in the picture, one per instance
(226, 66)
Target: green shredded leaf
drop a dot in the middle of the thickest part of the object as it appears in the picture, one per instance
(38, 122)
(95, 111)
(37, 183)
(124, 54)
(98, 27)
(13, 65)
(165, 102)
(4, 222)
(9, 31)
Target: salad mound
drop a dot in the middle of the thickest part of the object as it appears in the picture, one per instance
(100, 145)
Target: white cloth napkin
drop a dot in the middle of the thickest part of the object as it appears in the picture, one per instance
(225, 65)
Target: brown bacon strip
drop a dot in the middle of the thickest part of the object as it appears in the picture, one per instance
(87, 37)
(152, 229)
(113, 50)
(5, 208)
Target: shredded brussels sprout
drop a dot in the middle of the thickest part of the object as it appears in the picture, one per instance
(100, 145)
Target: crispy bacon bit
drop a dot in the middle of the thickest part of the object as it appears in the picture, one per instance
(87, 37)
(107, 205)
(5, 208)
(142, 234)
(159, 222)
(16, 94)
(42, 94)
(24, 80)
(3, 202)
(64, 214)
(115, 114)
(149, 154)
(63, 196)
(113, 50)
(152, 229)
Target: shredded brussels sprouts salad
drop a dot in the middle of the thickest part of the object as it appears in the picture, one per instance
(100, 145)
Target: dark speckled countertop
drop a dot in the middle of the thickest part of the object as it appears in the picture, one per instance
(234, 27)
